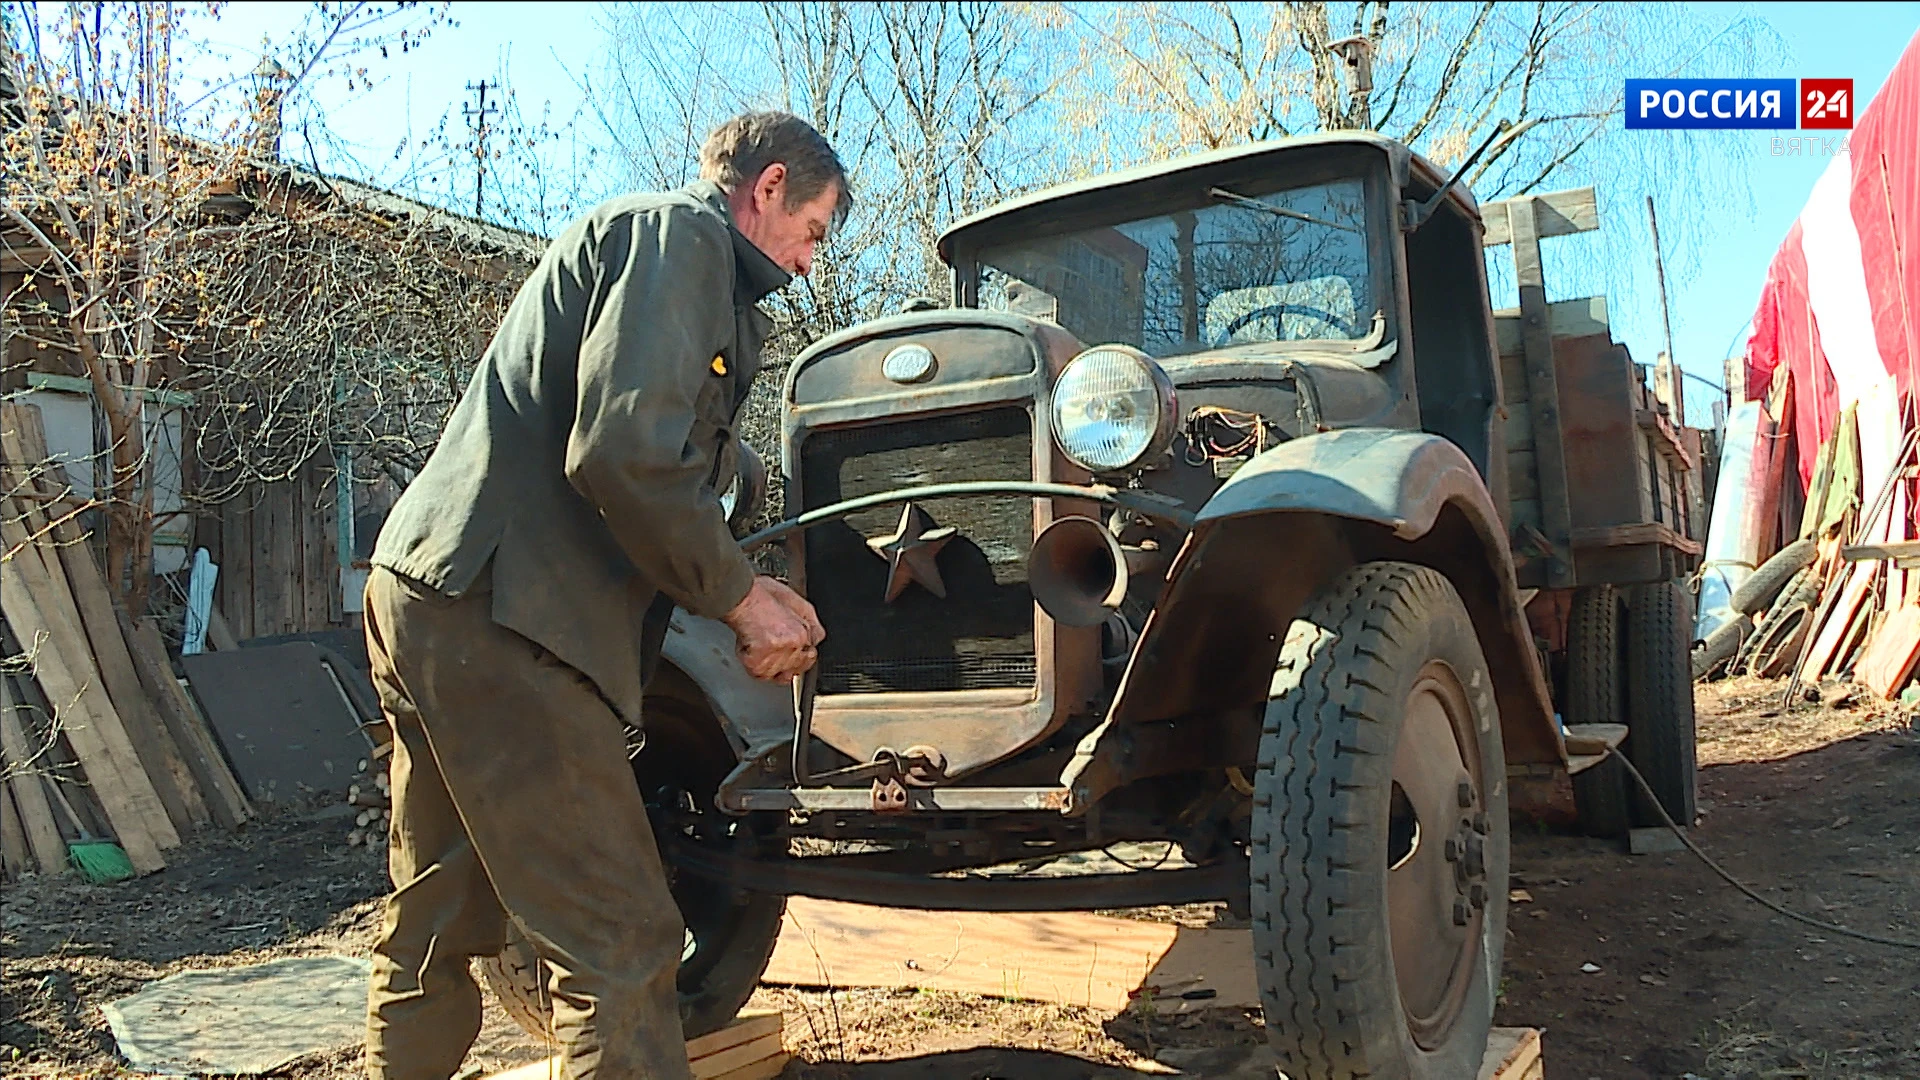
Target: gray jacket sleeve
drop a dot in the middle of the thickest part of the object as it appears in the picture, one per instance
(664, 311)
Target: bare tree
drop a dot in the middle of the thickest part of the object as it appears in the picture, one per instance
(1185, 77)
(110, 163)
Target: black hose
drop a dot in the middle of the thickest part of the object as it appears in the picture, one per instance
(1831, 928)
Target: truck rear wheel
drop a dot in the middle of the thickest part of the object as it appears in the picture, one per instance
(1379, 840)
(1597, 694)
(730, 933)
(1660, 728)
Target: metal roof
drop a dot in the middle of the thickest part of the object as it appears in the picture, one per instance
(1400, 159)
(486, 234)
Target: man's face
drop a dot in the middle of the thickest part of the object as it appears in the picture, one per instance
(787, 236)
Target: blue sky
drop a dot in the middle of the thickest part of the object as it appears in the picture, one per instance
(1713, 296)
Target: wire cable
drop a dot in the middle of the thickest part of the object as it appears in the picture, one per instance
(1832, 928)
(1164, 856)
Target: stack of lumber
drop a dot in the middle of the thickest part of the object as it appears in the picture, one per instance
(750, 1048)
(1852, 614)
(88, 699)
(373, 795)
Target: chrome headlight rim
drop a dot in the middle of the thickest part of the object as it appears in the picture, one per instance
(1164, 402)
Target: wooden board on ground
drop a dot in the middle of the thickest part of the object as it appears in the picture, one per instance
(1892, 651)
(750, 1048)
(1070, 958)
(1513, 1054)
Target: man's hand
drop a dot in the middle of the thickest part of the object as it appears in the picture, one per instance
(778, 631)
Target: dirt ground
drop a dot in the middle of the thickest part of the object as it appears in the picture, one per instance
(1818, 808)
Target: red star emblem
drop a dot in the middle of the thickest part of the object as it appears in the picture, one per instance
(911, 552)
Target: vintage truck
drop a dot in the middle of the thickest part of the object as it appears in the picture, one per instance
(1218, 508)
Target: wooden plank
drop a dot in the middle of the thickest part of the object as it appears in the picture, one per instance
(1512, 1054)
(1523, 478)
(1829, 634)
(1896, 550)
(13, 837)
(1517, 429)
(219, 634)
(764, 1068)
(1562, 213)
(225, 797)
(1650, 532)
(30, 799)
(1668, 440)
(1582, 316)
(731, 1062)
(268, 586)
(62, 665)
(749, 1026)
(750, 1048)
(233, 589)
(1543, 390)
(152, 743)
(1066, 957)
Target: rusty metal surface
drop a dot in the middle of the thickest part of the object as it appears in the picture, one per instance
(757, 715)
(1124, 186)
(903, 800)
(1329, 501)
(1437, 890)
(846, 880)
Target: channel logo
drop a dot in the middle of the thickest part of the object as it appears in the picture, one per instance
(1754, 104)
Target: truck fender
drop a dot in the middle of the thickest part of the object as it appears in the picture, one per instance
(757, 715)
(1287, 522)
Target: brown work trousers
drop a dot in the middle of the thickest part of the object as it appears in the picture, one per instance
(512, 799)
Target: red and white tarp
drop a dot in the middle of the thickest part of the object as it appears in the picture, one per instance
(1842, 297)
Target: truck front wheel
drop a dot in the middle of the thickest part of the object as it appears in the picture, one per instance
(1379, 853)
(730, 933)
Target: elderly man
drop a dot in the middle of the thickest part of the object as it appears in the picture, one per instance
(521, 592)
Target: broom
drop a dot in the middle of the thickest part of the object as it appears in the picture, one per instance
(99, 861)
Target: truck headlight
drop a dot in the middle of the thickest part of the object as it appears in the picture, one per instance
(1113, 407)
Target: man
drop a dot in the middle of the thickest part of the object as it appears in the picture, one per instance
(521, 591)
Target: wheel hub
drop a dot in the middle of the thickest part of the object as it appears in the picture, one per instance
(1437, 886)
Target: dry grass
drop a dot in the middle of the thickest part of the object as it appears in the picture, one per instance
(1741, 719)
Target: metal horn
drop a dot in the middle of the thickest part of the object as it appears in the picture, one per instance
(1077, 571)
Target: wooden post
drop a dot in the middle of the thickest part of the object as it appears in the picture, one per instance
(1543, 390)
(1676, 391)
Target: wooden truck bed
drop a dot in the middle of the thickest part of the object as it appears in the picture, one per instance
(1597, 475)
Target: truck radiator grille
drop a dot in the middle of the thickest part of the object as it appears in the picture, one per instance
(980, 636)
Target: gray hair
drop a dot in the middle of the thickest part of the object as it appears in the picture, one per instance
(739, 150)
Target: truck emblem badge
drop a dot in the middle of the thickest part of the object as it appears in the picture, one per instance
(908, 364)
(911, 552)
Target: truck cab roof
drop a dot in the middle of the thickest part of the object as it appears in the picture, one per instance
(1014, 215)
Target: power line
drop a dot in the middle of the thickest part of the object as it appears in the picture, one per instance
(477, 115)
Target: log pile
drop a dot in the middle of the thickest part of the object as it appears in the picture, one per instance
(371, 793)
(89, 705)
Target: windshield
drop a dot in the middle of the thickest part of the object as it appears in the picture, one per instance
(1286, 266)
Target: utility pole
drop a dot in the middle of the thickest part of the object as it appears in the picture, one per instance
(1675, 391)
(477, 115)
